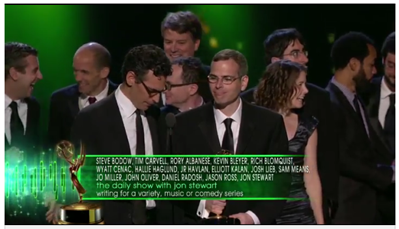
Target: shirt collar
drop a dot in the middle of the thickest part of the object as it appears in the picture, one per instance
(220, 117)
(8, 101)
(100, 96)
(126, 106)
(348, 93)
(385, 92)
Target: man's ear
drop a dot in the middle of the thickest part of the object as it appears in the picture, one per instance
(131, 78)
(193, 88)
(13, 74)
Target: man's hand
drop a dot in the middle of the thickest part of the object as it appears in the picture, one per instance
(215, 206)
(244, 218)
(54, 210)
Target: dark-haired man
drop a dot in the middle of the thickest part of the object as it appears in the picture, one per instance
(232, 124)
(183, 94)
(22, 112)
(289, 44)
(380, 101)
(128, 126)
(361, 151)
(91, 65)
(182, 32)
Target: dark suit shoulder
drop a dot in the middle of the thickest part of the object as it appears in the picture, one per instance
(376, 80)
(316, 89)
(265, 113)
(194, 113)
(65, 91)
(169, 109)
(248, 95)
(32, 100)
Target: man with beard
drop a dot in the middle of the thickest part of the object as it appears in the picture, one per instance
(289, 44)
(381, 109)
(91, 65)
(361, 177)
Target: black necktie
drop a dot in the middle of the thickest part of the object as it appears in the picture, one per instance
(389, 125)
(228, 141)
(140, 147)
(16, 126)
(139, 206)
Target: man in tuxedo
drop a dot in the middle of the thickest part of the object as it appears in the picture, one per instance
(380, 101)
(91, 65)
(22, 111)
(289, 44)
(183, 94)
(182, 32)
(128, 126)
(361, 177)
(232, 124)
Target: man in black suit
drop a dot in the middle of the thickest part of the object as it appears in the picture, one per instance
(128, 126)
(232, 124)
(361, 177)
(91, 65)
(380, 100)
(289, 44)
(22, 111)
(183, 94)
(182, 32)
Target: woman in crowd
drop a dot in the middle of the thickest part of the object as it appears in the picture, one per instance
(283, 89)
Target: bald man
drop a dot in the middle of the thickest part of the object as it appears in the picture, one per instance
(91, 66)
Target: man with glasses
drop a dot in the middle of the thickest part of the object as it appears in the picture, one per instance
(234, 125)
(289, 44)
(125, 123)
(183, 95)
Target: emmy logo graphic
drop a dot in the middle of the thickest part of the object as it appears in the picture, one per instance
(214, 219)
(77, 213)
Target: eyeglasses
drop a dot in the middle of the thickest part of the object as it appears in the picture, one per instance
(153, 92)
(226, 80)
(296, 53)
(179, 85)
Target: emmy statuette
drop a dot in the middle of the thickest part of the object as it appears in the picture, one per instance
(220, 219)
(77, 213)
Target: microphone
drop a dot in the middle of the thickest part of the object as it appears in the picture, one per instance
(170, 123)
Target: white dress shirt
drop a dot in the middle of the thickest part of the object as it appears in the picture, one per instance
(384, 102)
(221, 128)
(84, 99)
(127, 110)
(22, 112)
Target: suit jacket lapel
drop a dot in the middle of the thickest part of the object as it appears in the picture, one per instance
(344, 101)
(116, 127)
(246, 129)
(152, 124)
(73, 102)
(372, 110)
(208, 128)
(29, 119)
